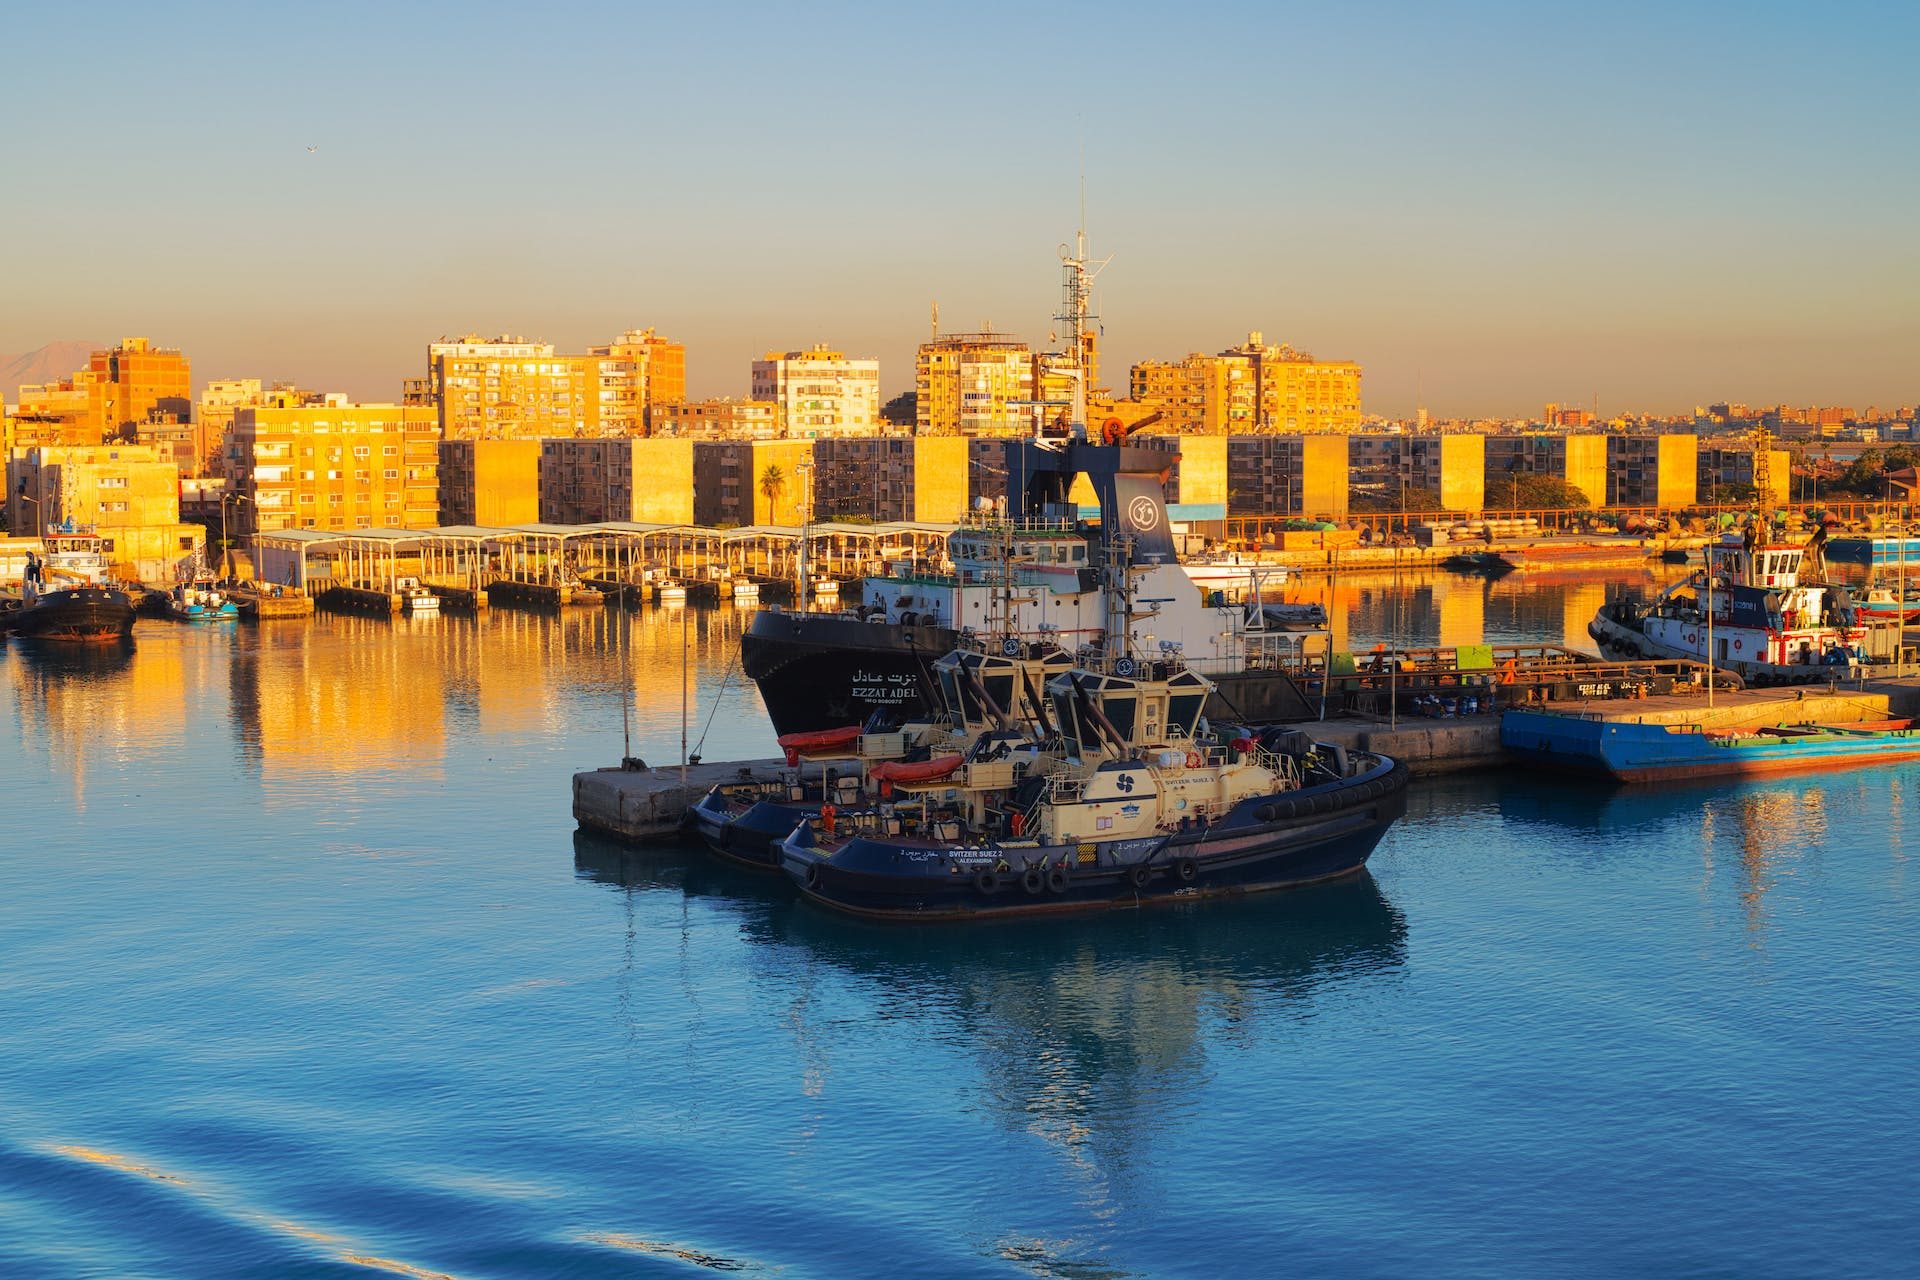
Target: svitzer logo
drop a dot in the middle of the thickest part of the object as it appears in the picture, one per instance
(1144, 513)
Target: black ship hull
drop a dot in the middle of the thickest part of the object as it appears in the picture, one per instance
(824, 671)
(82, 615)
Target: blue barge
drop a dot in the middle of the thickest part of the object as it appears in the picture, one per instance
(1630, 752)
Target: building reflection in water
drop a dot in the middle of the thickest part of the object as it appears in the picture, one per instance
(346, 695)
(1090, 1032)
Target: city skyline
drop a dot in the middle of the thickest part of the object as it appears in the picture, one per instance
(1487, 209)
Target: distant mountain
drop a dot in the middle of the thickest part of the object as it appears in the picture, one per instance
(46, 364)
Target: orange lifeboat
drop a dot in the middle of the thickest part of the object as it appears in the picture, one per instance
(919, 771)
(797, 744)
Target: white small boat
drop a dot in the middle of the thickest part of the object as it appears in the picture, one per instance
(415, 597)
(669, 591)
(825, 587)
(745, 591)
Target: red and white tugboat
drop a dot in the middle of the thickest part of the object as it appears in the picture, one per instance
(1747, 612)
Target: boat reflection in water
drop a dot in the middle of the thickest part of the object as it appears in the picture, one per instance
(1093, 1029)
(54, 660)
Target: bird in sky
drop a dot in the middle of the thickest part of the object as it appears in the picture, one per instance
(311, 150)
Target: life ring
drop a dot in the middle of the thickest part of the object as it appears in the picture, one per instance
(1736, 646)
(1113, 431)
(987, 882)
(1691, 637)
(1186, 869)
(1033, 882)
(1140, 876)
(1057, 880)
(1195, 760)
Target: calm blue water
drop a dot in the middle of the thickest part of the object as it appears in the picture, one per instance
(304, 972)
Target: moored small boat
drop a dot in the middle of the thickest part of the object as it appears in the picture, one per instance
(1633, 752)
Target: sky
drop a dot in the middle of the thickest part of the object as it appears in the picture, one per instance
(1490, 206)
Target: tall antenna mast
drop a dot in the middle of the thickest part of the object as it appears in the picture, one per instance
(1077, 276)
(936, 320)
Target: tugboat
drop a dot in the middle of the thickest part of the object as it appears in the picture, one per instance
(1131, 807)
(850, 772)
(819, 670)
(1747, 612)
(65, 594)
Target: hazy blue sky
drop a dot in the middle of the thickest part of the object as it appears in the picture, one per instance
(1658, 204)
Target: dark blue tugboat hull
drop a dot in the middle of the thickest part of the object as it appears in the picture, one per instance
(1263, 844)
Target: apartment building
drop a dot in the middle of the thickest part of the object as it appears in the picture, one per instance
(890, 478)
(121, 389)
(820, 391)
(1732, 466)
(1253, 387)
(1579, 460)
(129, 494)
(721, 419)
(334, 465)
(487, 389)
(596, 481)
(1387, 467)
(974, 384)
(654, 368)
(494, 484)
(1295, 475)
(742, 482)
(1652, 471)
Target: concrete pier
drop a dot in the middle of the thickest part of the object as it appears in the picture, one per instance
(262, 606)
(645, 805)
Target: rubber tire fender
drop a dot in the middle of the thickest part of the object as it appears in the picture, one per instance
(987, 882)
(1141, 876)
(1057, 880)
(1187, 869)
(1033, 882)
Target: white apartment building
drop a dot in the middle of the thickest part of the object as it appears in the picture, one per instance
(821, 392)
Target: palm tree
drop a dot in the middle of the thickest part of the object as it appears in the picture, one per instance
(773, 483)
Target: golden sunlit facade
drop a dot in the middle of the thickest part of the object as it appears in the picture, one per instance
(130, 494)
(974, 384)
(820, 391)
(501, 388)
(1252, 388)
(721, 419)
(594, 481)
(491, 483)
(335, 465)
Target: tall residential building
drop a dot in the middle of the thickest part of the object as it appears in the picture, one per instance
(742, 482)
(658, 371)
(508, 387)
(820, 391)
(974, 384)
(1251, 388)
(220, 399)
(137, 380)
(335, 465)
(121, 390)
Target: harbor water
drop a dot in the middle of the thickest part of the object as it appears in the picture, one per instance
(304, 972)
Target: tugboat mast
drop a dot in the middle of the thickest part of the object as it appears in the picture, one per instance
(1077, 276)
